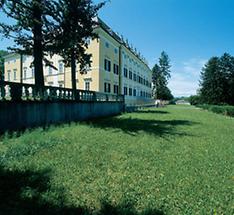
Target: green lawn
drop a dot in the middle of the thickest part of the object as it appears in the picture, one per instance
(175, 160)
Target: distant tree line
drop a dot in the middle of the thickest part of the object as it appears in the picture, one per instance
(47, 27)
(217, 82)
(161, 74)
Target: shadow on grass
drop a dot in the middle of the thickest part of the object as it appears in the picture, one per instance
(151, 111)
(133, 126)
(26, 192)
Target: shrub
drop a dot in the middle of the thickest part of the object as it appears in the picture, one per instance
(195, 100)
(225, 110)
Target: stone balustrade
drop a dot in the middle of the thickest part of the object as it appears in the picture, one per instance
(11, 91)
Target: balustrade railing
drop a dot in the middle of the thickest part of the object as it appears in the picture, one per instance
(11, 91)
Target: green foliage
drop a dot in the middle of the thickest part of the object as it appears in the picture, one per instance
(160, 77)
(180, 163)
(76, 20)
(195, 100)
(32, 29)
(2, 53)
(49, 26)
(225, 110)
(217, 81)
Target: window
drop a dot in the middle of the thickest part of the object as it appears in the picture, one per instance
(130, 91)
(107, 65)
(125, 72)
(116, 51)
(141, 93)
(116, 89)
(25, 72)
(24, 58)
(107, 88)
(9, 75)
(139, 79)
(50, 70)
(134, 77)
(61, 67)
(107, 45)
(125, 91)
(15, 71)
(61, 83)
(116, 69)
(130, 74)
(50, 83)
(33, 72)
(87, 85)
(134, 92)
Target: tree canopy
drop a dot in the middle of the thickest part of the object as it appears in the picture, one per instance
(42, 27)
(76, 21)
(160, 76)
(31, 29)
(217, 80)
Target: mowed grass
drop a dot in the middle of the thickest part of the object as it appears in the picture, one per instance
(174, 160)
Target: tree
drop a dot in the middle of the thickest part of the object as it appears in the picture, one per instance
(2, 53)
(226, 65)
(164, 93)
(160, 76)
(164, 64)
(217, 81)
(212, 83)
(195, 100)
(76, 20)
(32, 29)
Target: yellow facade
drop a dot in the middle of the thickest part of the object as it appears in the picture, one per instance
(113, 69)
(12, 68)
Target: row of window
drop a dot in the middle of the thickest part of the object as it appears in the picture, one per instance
(14, 75)
(107, 67)
(108, 46)
(127, 91)
(26, 75)
(136, 78)
(60, 68)
(107, 88)
(127, 74)
(124, 55)
(132, 92)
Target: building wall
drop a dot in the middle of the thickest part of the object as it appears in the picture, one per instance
(109, 50)
(92, 75)
(12, 68)
(133, 66)
(98, 77)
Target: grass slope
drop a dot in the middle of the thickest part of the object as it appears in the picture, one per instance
(176, 160)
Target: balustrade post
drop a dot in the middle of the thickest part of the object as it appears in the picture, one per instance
(94, 96)
(76, 95)
(3, 92)
(16, 92)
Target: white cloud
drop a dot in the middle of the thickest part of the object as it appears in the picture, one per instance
(185, 77)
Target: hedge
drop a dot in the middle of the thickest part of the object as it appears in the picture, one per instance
(225, 110)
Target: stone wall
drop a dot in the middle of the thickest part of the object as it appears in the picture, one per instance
(25, 114)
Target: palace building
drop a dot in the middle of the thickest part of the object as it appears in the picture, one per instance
(116, 69)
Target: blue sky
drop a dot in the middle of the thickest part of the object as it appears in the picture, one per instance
(190, 31)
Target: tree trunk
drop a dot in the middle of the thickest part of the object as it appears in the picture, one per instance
(73, 73)
(37, 44)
